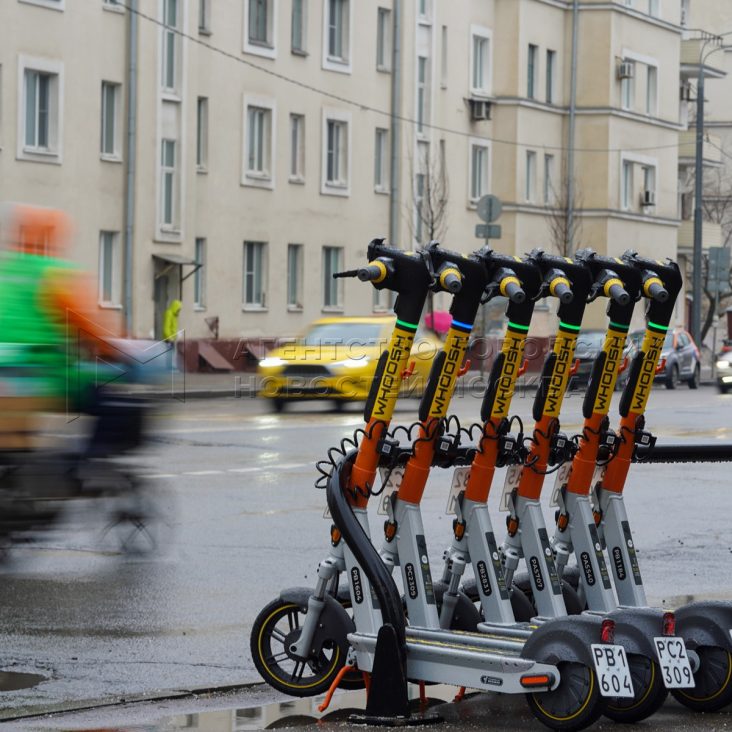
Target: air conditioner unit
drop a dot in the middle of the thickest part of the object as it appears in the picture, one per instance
(685, 92)
(626, 70)
(480, 109)
(648, 198)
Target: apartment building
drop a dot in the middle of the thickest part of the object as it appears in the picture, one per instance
(236, 153)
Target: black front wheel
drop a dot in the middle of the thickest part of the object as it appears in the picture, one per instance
(713, 681)
(672, 378)
(649, 692)
(574, 705)
(275, 629)
(693, 382)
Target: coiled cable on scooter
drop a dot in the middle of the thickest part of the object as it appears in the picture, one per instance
(550, 435)
(336, 453)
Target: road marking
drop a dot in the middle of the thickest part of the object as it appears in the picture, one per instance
(204, 472)
(162, 475)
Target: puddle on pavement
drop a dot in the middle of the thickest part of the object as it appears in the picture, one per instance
(12, 681)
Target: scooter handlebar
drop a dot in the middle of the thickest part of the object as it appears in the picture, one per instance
(510, 286)
(376, 271)
(559, 286)
(653, 288)
(450, 278)
(617, 292)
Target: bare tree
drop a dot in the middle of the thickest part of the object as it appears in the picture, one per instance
(563, 232)
(427, 212)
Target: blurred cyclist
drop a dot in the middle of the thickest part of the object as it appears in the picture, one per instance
(48, 308)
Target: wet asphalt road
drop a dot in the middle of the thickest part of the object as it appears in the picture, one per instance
(242, 520)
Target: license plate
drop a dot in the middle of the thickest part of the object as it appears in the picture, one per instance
(459, 483)
(611, 667)
(513, 478)
(393, 480)
(674, 663)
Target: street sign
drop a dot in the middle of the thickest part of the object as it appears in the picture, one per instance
(488, 231)
(719, 266)
(489, 208)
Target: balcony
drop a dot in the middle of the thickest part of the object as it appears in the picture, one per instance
(691, 54)
(711, 236)
(711, 151)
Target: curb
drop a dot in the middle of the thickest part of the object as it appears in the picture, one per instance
(116, 701)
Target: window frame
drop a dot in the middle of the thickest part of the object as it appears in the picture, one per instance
(422, 97)
(329, 187)
(301, 49)
(629, 199)
(115, 285)
(262, 248)
(53, 153)
(330, 285)
(550, 76)
(59, 5)
(172, 37)
(530, 176)
(202, 138)
(252, 176)
(485, 178)
(268, 48)
(173, 171)
(199, 276)
(651, 105)
(550, 195)
(383, 39)
(204, 17)
(381, 158)
(532, 70)
(340, 64)
(297, 148)
(296, 278)
(116, 154)
(478, 32)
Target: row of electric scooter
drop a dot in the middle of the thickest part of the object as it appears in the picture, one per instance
(578, 640)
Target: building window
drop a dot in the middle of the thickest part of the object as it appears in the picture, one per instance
(169, 186)
(332, 290)
(479, 159)
(684, 19)
(627, 88)
(109, 269)
(380, 157)
(337, 26)
(294, 276)
(199, 277)
(421, 93)
(260, 27)
(530, 192)
(532, 71)
(204, 16)
(114, 5)
(654, 8)
(258, 147)
(297, 34)
(424, 10)
(202, 133)
(383, 39)
(41, 90)
(549, 188)
(551, 60)
(170, 45)
(336, 153)
(110, 142)
(297, 147)
(52, 4)
(649, 183)
(443, 59)
(626, 185)
(254, 274)
(651, 90)
(480, 62)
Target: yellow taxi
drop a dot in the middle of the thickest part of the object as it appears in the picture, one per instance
(336, 359)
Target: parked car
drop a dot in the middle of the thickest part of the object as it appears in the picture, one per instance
(683, 361)
(724, 367)
(335, 359)
(589, 344)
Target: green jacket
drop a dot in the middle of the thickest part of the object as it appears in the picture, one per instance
(170, 320)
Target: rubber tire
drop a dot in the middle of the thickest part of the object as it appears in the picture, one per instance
(673, 377)
(523, 609)
(648, 701)
(693, 382)
(275, 610)
(278, 405)
(569, 594)
(723, 389)
(574, 719)
(720, 694)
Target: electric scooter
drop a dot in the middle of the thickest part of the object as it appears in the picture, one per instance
(705, 627)
(299, 641)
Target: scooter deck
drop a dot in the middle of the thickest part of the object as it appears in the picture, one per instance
(464, 659)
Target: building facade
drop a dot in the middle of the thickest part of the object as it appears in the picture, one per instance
(234, 154)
